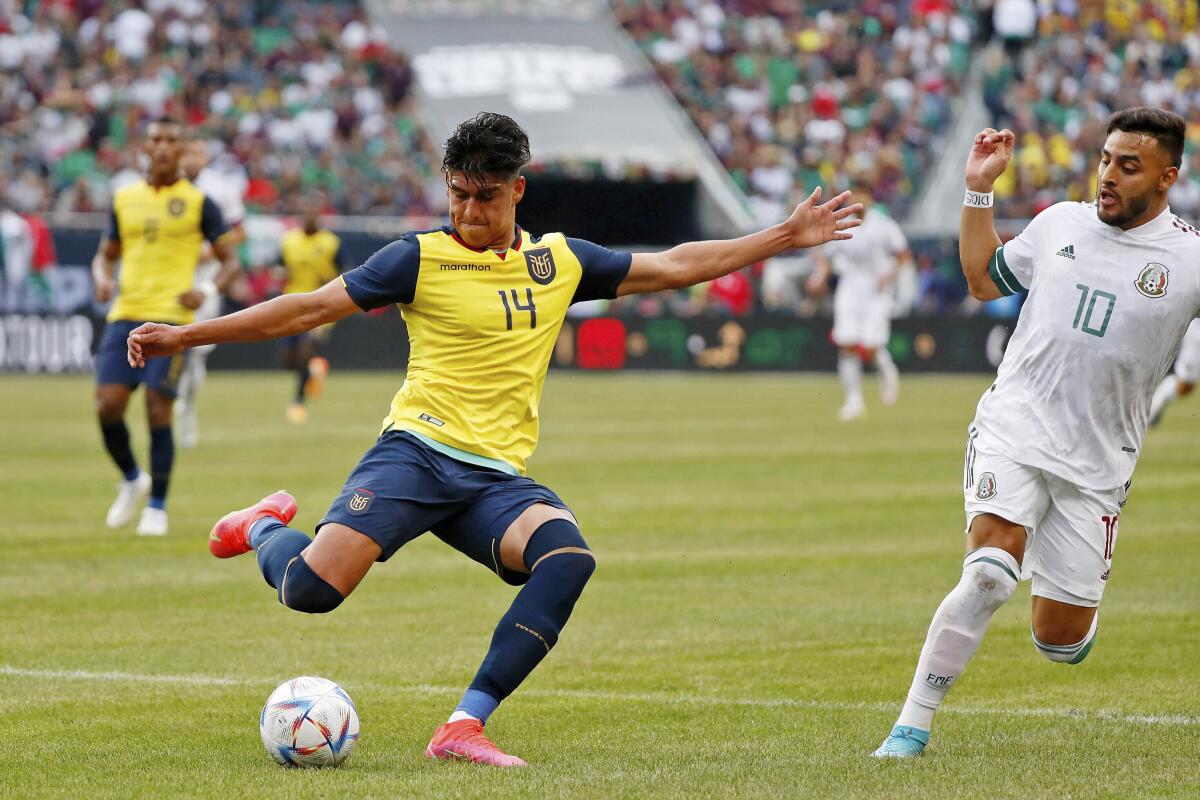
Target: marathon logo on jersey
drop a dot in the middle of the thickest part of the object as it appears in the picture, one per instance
(541, 265)
(1152, 280)
(360, 501)
(986, 489)
(464, 267)
(1067, 252)
(176, 206)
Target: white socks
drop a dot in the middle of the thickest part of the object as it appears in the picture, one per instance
(889, 376)
(850, 371)
(988, 580)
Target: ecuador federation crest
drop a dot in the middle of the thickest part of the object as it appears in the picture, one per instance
(541, 265)
(360, 501)
(176, 207)
(987, 487)
(1152, 280)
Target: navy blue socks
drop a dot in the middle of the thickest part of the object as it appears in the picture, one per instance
(162, 457)
(538, 613)
(116, 442)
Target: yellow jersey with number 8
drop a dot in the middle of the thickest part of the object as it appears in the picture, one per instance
(160, 229)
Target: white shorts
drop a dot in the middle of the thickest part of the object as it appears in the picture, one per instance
(1187, 363)
(861, 319)
(1071, 531)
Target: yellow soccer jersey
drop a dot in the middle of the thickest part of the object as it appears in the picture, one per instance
(160, 230)
(310, 261)
(481, 328)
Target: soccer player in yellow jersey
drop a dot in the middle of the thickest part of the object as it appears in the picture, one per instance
(155, 230)
(312, 257)
(484, 301)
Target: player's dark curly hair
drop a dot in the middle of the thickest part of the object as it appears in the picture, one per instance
(487, 144)
(1167, 128)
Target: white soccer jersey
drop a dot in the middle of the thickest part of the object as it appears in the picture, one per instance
(1187, 365)
(862, 313)
(860, 262)
(226, 192)
(1104, 318)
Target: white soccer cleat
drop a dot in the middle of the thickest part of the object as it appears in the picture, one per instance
(890, 394)
(852, 411)
(130, 497)
(153, 522)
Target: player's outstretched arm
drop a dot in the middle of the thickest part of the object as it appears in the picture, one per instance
(811, 224)
(286, 315)
(978, 240)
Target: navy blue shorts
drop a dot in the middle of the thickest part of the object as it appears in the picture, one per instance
(402, 488)
(112, 362)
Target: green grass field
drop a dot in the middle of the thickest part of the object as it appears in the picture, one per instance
(765, 578)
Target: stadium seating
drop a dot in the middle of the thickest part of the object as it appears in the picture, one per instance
(303, 95)
(1056, 92)
(795, 95)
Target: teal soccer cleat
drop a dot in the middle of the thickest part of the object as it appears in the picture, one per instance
(903, 742)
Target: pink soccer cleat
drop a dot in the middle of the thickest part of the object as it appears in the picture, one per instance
(464, 741)
(231, 535)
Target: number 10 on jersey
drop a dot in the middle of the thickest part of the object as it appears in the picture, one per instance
(1095, 295)
(516, 304)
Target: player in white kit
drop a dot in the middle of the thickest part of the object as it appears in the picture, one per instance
(1113, 285)
(226, 192)
(862, 303)
(1183, 379)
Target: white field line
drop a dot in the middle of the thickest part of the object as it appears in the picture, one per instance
(1104, 715)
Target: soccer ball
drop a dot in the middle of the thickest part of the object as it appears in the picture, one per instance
(309, 722)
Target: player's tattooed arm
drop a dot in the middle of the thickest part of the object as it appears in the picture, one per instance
(285, 315)
(812, 223)
(977, 242)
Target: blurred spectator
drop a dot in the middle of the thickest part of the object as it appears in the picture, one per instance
(302, 94)
(731, 295)
(783, 281)
(17, 246)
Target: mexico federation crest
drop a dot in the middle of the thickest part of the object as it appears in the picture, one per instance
(987, 487)
(176, 206)
(541, 265)
(360, 501)
(1152, 280)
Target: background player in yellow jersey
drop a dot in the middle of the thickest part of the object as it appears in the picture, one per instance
(312, 257)
(484, 301)
(155, 231)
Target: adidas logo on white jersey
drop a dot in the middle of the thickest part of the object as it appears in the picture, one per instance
(1067, 252)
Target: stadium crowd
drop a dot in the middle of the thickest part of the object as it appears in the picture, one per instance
(1065, 68)
(791, 95)
(302, 96)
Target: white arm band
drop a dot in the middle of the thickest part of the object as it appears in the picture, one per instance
(978, 199)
